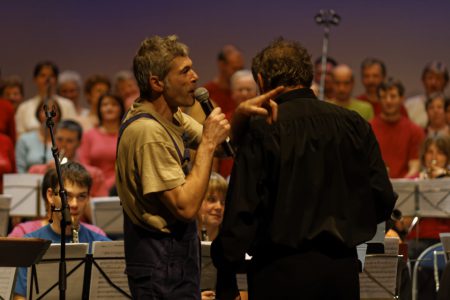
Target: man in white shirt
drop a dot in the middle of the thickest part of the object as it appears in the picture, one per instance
(45, 75)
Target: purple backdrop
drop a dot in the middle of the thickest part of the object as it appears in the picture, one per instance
(102, 36)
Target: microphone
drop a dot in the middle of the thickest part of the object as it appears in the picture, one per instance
(202, 96)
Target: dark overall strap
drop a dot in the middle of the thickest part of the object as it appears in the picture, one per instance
(125, 124)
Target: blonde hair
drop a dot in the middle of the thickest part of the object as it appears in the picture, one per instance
(217, 184)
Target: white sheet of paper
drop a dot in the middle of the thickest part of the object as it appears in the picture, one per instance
(383, 268)
(48, 271)
(107, 213)
(405, 188)
(445, 240)
(391, 245)
(7, 277)
(434, 200)
(25, 192)
(114, 268)
(424, 198)
(361, 251)
(379, 235)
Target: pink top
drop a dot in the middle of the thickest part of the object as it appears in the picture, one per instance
(23, 228)
(98, 149)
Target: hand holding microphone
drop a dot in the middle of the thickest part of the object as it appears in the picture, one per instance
(216, 125)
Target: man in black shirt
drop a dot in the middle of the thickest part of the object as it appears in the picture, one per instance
(304, 191)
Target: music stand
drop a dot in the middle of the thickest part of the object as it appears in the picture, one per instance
(7, 282)
(22, 252)
(107, 213)
(5, 204)
(106, 272)
(423, 198)
(47, 285)
(407, 191)
(25, 192)
(434, 198)
(379, 277)
(18, 252)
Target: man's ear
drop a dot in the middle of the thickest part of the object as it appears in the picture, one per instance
(260, 82)
(156, 84)
(50, 196)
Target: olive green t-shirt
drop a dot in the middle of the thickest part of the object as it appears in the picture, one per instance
(364, 109)
(148, 163)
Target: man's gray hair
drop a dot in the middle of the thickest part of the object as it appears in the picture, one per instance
(240, 74)
(154, 58)
(68, 76)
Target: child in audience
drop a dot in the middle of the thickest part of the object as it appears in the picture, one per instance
(24, 228)
(77, 184)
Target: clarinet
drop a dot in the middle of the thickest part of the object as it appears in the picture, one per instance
(75, 229)
(205, 236)
(204, 233)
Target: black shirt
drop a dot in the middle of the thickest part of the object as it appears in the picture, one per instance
(317, 170)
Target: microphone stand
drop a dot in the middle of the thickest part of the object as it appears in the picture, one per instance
(46, 100)
(325, 18)
(65, 213)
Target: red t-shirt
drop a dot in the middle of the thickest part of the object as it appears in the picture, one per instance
(222, 97)
(429, 228)
(399, 143)
(7, 158)
(377, 106)
(7, 121)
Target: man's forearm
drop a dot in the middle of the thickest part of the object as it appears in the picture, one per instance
(413, 168)
(184, 201)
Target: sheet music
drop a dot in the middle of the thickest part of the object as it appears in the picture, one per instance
(107, 213)
(424, 198)
(391, 245)
(7, 279)
(48, 271)
(114, 268)
(434, 200)
(445, 240)
(405, 188)
(5, 203)
(383, 269)
(25, 192)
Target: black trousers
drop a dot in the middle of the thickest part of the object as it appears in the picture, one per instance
(310, 275)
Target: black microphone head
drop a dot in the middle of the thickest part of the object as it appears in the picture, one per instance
(201, 94)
